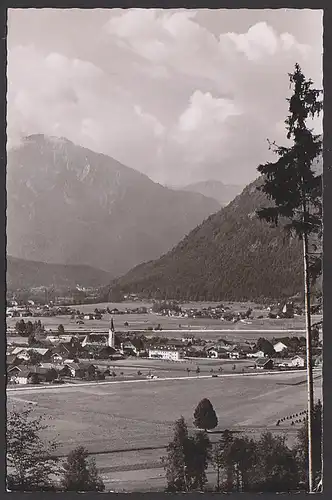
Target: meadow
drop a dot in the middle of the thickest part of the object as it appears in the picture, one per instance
(127, 425)
(207, 328)
(123, 416)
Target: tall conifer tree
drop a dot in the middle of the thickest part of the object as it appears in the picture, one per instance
(295, 187)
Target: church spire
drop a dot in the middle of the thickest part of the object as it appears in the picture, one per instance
(112, 325)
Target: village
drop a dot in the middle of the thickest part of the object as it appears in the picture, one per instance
(36, 355)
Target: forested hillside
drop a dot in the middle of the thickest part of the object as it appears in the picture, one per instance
(230, 256)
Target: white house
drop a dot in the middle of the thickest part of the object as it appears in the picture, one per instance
(24, 352)
(258, 354)
(297, 361)
(164, 353)
(216, 351)
(280, 347)
(56, 339)
(234, 355)
(22, 378)
(56, 358)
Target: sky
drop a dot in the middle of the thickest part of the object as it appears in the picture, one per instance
(180, 95)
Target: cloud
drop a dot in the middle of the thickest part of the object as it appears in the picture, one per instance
(157, 127)
(158, 89)
(204, 109)
(261, 41)
(77, 100)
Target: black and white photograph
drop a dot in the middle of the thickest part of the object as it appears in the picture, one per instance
(164, 232)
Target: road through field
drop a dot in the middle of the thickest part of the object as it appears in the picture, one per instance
(77, 386)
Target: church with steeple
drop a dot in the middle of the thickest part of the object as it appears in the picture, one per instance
(111, 335)
(109, 339)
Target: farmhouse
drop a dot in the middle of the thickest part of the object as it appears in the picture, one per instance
(81, 370)
(24, 352)
(297, 361)
(56, 358)
(12, 360)
(264, 364)
(13, 372)
(100, 339)
(188, 339)
(134, 346)
(109, 338)
(35, 375)
(165, 353)
(63, 339)
(240, 351)
(257, 354)
(216, 352)
(66, 349)
(280, 347)
(23, 376)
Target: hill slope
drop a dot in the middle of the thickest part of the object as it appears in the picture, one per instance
(223, 193)
(28, 274)
(230, 256)
(69, 205)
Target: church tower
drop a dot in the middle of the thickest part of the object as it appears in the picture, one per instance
(111, 335)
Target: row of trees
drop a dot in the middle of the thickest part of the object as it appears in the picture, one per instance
(25, 329)
(240, 462)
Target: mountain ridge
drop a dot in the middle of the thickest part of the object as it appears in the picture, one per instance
(22, 274)
(70, 205)
(222, 193)
(232, 255)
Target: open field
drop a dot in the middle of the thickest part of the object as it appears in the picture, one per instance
(106, 417)
(165, 368)
(207, 328)
(144, 321)
(126, 425)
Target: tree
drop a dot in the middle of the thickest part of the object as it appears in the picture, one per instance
(302, 445)
(241, 458)
(187, 459)
(29, 330)
(61, 330)
(197, 459)
(31, 339)
(249, 312)
(80, 473)
(34, 357)
(265, 346)
(276, 466)
(20, 327)
(175, 461)
(296, 191)
(30, 460)
(204, 416)
(220, 460)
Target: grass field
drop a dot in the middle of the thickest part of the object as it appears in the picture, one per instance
(127, 425)
(134, 415)
(210, 329)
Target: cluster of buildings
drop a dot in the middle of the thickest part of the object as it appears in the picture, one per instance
(224, 313)
(31, 310)
(58, 356)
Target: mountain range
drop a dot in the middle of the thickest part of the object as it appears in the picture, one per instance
(29, 274)
(230, 256)
(222, 193)
(69, 205)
